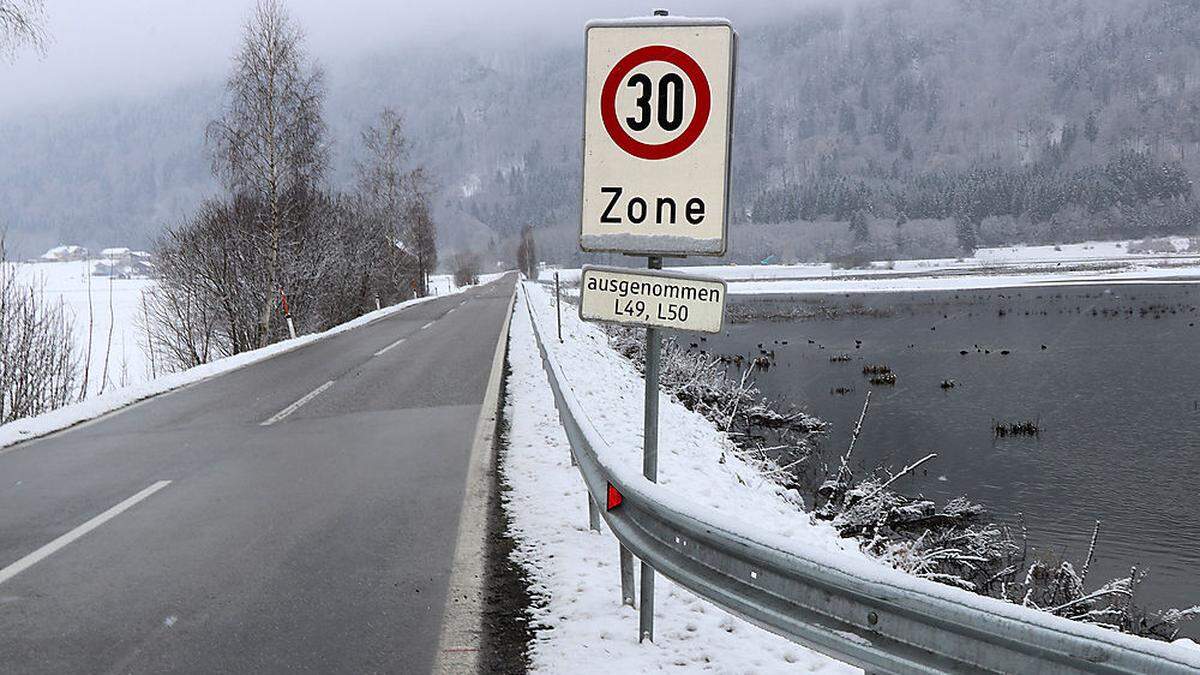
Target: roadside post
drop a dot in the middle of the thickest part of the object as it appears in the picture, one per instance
(657, 122)
(287, 314)
(558, 306)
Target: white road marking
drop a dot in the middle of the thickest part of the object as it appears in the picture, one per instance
(296, 406)
(427, 325)
(451, 310)
(54, 546)
(390, 347)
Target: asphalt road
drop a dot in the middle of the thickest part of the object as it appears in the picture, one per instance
(320, 543)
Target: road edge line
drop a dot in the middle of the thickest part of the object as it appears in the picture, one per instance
(461, 633)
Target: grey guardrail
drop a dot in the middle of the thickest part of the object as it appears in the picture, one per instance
(861, 614)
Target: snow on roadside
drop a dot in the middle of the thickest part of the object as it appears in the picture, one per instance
(581, 627)
(95, 406)
(443, 284)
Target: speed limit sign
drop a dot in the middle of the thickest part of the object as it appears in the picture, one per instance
(657, 120)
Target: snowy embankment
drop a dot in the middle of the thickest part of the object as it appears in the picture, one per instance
(119, 397)
(582, 625)
(1007, 267)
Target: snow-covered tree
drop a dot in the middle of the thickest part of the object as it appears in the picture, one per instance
(269, 144)
(22, 24)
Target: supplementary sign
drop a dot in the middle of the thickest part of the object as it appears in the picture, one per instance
(656, 127)
(651, 298)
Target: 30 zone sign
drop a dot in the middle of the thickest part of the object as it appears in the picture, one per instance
(657, 119)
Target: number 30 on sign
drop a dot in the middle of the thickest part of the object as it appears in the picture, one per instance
(657, 120)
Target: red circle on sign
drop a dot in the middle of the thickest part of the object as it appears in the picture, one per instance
(608, 102)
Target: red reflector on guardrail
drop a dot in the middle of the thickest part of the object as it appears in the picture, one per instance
(614, 498)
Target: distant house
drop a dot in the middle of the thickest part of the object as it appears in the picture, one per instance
(64, 254)
(122, 263)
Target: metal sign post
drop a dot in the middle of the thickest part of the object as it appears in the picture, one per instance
(658, 116)
(650, 461)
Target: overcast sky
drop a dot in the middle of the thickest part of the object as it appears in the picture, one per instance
(120, 47)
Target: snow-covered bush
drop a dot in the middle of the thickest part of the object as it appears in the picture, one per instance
(774, 438)
(466, 269)
(958, 545)
(38, 365)
(1152, 245)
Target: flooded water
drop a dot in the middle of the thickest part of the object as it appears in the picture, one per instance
(1111, 375)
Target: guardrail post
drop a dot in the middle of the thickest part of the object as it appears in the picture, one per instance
(562, 416)
(593, 514)
(650, 461)
(627, 592)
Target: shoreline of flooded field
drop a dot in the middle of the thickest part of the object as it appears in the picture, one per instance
(1053, 406)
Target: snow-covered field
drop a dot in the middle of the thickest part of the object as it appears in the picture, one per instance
(580, 624)
(117, 305)
(441, 284)
(585, 628)
(1088, 262)
(128, 364)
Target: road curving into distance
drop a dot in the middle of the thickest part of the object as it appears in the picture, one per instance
(298, 514)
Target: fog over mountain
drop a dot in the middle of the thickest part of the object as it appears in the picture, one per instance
(1034, 121)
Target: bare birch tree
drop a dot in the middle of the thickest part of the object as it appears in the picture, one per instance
(527, 260)
(209, 296)
(112, 324)
(421, 234)
(404, 246)
(269, 144)
(279, 229)
(87, 360)
(22, 24)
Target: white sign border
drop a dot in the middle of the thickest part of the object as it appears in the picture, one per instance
(656, 22)
(662, 274)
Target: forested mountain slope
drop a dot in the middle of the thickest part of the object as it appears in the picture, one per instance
(1025, 120)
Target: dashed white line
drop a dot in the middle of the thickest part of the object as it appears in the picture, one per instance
(390, 347)
(54, 546)
(427, 325)
(296, 406)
